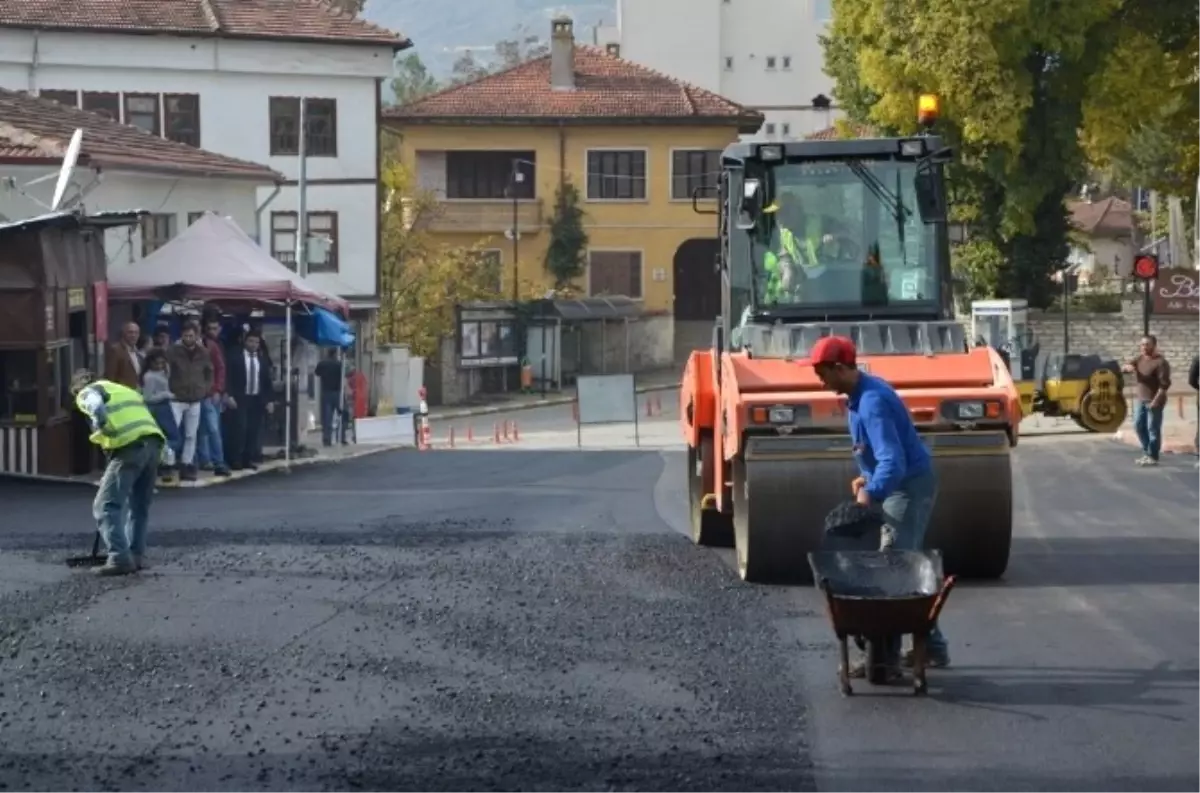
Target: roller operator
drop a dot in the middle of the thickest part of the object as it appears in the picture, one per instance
(896, 473)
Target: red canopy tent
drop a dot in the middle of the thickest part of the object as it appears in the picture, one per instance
(215, 260)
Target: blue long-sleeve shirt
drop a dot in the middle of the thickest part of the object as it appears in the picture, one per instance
(886, 445)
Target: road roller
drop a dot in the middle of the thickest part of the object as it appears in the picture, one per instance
(841, 237)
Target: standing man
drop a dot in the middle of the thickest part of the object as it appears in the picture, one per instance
(329, 379)
(249, 397)
(210, 450)
(1194, 382)
(123, 364)
(131, 439)
(1153, 376)
(191, 379)
(896, 470)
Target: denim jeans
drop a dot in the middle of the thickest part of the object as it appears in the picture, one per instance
(329, 409)
(122, 505)
(1147, 422)
(166, 422)
(209, 447)
(906, 514)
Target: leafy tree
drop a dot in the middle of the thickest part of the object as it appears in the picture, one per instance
(422, 279)
(412, 80)
(568, 240)
(467, 68)
(354, 7)
(522, 47)
(1014, 79)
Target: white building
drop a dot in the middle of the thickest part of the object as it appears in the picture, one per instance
(226, 76)
(763, 54)
(119, 168)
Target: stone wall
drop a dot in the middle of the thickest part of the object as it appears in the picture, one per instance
(1116, 335)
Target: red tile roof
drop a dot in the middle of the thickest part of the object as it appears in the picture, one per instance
(1112, 217)
(37, 131)
(290, 20)
(607, 89)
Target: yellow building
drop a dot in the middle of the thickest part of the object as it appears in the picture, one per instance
(636, 144)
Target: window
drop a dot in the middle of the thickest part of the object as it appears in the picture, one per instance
(615, 273)
(489, 174)
(616, 175)
(770, 61)
(141, 111)
(324, 224)
(786, 129)
(769, 129)
(192, 217)
(692, 171)
(157, 231)
(68, 98)
(19, 373)
(320, 126)
(729, 63)
(181, 117)
(283, 239)
(103, 103)
(787, 61)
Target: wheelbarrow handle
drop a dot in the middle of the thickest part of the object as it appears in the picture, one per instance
(940, 601)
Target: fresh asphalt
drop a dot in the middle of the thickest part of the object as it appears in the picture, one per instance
(531, 616)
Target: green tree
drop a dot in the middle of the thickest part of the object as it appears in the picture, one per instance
(412, 80)
(523, 46)
(568, 240)
(467, 68)
(1014, 79)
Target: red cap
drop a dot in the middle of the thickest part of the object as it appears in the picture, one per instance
(833, 349)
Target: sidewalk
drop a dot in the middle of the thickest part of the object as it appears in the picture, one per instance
(645, 382)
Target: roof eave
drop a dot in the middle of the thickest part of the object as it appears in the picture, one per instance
(397, 44)
(745, 123)
(121, 164)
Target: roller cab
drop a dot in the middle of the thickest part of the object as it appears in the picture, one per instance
(842, 238)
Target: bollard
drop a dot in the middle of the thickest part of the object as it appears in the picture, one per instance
(516, 433)
(575, 412)
(506, 435)
(496, 432)
(649, 407)
(451, 438)
(470, 433)
(657, 405)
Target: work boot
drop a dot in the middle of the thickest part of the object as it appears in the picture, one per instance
(188, 473)
(933, 659)
(111, 568)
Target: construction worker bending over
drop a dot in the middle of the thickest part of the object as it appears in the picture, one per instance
(896, 470)
(132, 441)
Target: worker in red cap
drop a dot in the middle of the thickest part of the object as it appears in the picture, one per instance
(896, 469)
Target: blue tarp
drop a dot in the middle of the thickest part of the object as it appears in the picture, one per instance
(323, 328)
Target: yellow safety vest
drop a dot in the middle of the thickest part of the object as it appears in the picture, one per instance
(127, 419)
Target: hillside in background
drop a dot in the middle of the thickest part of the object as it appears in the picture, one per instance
(440, 30)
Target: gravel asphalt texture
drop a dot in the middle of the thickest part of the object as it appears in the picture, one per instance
(535, 619)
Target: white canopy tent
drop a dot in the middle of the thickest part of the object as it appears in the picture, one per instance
(213, 259)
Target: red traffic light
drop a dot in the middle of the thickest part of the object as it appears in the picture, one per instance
(1146, 267)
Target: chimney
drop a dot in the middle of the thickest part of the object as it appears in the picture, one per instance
(562, 54)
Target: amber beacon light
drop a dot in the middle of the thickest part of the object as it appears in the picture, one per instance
(928, 109)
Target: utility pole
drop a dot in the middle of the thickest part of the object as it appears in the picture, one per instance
(301, 189)
(515, 179)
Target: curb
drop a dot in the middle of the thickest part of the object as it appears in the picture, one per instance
(541, 403)
(304, 461)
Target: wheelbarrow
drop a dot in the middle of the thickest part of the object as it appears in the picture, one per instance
(877, 597)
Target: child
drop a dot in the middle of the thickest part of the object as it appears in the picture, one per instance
(157, 393)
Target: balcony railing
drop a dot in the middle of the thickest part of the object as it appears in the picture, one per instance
(484, 217)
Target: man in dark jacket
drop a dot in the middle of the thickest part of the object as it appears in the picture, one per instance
(896, 469)
(1153, 379)
(1194, 382)
(249, 394)
(191, 379)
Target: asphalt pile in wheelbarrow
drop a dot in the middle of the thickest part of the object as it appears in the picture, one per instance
(886, 574)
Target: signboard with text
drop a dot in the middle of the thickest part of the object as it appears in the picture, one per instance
(1177, 291)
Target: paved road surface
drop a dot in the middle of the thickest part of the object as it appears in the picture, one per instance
(533, 617)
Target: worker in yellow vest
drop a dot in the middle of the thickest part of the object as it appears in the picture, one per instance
(801, 236)
(133, 442)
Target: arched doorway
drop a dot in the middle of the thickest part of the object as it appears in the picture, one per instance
(697, 294)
